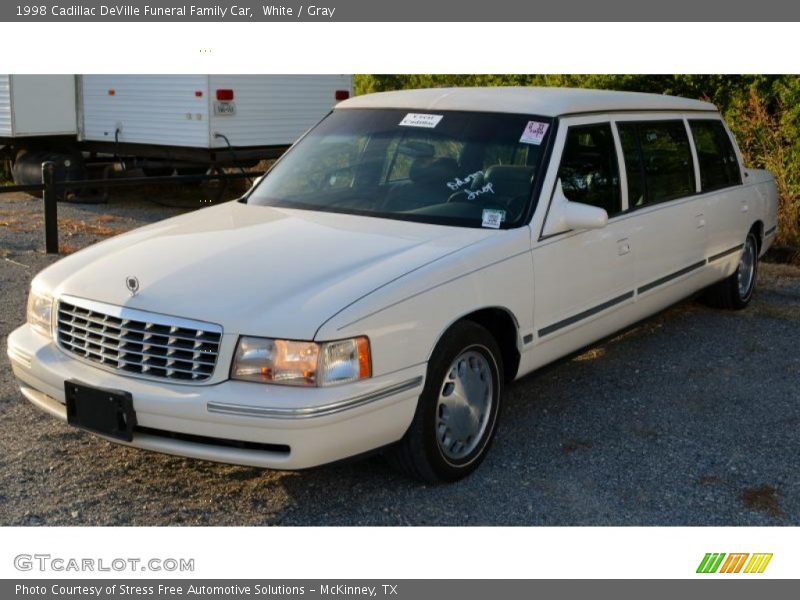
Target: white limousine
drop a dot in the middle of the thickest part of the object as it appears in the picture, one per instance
(408, 257)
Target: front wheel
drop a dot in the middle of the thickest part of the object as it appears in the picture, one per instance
(456, 416)
(736, 291)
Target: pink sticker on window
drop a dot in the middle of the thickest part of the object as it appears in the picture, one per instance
(534, 132)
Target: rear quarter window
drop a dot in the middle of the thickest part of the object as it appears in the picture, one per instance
(719, 166)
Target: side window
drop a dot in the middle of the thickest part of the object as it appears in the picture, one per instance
(719, 167)
(658, 161)
(634, 169)
(589, 172)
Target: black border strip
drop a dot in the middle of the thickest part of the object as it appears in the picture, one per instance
(585, 314)
(770, 231)
(725, 253)
(670, 277)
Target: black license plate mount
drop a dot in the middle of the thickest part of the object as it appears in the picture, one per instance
(98, 410)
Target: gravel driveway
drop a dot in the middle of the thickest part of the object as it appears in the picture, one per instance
(691, 418)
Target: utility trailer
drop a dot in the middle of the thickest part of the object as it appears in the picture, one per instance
(160, 123)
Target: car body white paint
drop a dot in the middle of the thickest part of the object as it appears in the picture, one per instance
(262, 271)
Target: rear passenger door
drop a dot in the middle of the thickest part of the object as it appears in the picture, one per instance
(726, 206)
(666, 217)
(582, 276)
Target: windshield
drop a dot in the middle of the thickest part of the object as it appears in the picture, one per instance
(446, 167)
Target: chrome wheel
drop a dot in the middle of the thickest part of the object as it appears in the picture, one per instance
(747, 269)
(465, 405)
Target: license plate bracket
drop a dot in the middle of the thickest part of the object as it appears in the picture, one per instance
(224, 108)
(107, 412)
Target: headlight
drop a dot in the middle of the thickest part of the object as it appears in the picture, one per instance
(301, 363)
(40, 312)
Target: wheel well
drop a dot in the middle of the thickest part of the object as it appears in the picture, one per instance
(503, 327)
(758, 229)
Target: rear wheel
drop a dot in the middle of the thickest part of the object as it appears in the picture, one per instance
(736, 291)
(153, 171)
(456, 416)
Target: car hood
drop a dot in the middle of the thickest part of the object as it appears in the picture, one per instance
(253, 269)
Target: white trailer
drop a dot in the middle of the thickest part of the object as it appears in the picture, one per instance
(202, 111)
(37, 106)
(158, 122)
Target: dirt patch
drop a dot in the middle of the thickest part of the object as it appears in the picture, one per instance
(765, 498)
(65, 249)
(571, 446)
(73, 226)
(591, 354)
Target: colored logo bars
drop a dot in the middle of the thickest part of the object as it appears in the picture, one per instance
(713, 563)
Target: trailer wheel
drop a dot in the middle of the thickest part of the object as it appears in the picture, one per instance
(27, 167)
(158, 171)
(198, 170)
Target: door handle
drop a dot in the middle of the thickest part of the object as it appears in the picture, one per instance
(700, 220)
(623, 247)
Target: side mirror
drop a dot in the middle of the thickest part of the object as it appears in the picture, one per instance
(565, 215)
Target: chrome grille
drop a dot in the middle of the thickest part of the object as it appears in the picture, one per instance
(137, 342)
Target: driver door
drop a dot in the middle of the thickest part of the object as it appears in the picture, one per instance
(582, 278)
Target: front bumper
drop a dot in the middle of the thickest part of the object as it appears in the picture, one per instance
(236, 422)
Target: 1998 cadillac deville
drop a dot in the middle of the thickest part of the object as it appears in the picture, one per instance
(410, 255)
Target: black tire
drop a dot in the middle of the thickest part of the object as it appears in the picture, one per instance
(69, 166)
(727, 294)
(419, 454)
(158, 171)
(199, 170)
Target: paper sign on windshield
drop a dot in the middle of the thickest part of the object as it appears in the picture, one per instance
(493, 218)
(534, 132)
(421, 120)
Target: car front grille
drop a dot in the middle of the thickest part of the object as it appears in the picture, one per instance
(137, 342)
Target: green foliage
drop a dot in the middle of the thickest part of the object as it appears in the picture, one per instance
(762, 110)
(5, 172)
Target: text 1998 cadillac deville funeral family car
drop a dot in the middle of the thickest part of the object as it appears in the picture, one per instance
(410, 255)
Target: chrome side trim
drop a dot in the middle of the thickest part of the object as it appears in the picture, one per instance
(314, 411)
(725, 253)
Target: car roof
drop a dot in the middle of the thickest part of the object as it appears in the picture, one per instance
(544, 101)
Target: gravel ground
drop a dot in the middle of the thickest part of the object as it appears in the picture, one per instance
(689, 419)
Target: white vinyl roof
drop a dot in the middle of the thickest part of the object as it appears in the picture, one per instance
(545, 101)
